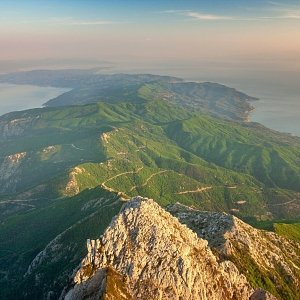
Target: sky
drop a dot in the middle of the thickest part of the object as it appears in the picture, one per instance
(168, 31)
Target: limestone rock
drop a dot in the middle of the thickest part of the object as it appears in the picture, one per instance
(257, 253)
(146, 253)
(10, 171)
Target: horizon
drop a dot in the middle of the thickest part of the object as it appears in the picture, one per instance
(133, 32)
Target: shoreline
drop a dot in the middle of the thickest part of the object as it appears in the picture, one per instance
(249, 119)
(18, 97)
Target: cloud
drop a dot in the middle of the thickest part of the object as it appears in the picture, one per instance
(172, 11)
(276, 11)
(291, 16)
(68, 21)
(204, 16)
(208, 17)
(76, 22)
(283, 11)
(196, 15)
(274, 3)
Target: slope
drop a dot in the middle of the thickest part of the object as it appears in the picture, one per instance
(267, 260)
(216, 164)
(40, 248)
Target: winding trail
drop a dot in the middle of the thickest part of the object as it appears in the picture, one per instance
(199, 190)
(75, 147)
(18, 202)
(281, 204)
(148, 179)
(121, 174)
(103, 184)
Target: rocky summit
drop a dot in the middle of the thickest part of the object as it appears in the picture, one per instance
(146, 253)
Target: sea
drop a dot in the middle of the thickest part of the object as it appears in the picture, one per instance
(278, 106)
(20, 97)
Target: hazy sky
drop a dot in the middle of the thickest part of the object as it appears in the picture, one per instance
(156, 30)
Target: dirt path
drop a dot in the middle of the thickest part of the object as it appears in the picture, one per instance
(18, 202)
(199, 190)
(75, 147)
(103, 184)
(281, 204)
(121, 174)
(148, 179)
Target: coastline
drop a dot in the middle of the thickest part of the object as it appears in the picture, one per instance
(278, 113)
(16, 97)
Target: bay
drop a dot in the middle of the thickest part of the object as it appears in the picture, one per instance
(20, 97)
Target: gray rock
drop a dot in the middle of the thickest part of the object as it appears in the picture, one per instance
(148, 254)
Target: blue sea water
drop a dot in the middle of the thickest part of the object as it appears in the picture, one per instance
(276, 84)
(281, 113)
(19, 97)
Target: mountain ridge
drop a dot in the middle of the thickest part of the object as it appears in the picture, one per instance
(155, 257)
(268, 260)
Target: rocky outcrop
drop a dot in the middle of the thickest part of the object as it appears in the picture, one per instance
(15, 127)
(262, 256)
(10, 171)
(146, 253)
(72, 187)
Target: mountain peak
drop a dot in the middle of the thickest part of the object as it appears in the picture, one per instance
(146, 253)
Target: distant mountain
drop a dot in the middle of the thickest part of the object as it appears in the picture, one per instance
(90, 87)
(78, 78)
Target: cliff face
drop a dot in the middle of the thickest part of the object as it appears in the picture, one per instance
(266, 259)
(146, 253)
(10, 172)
